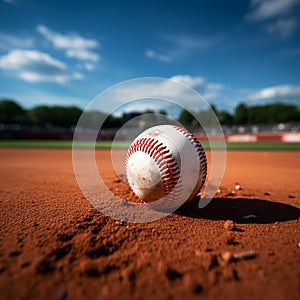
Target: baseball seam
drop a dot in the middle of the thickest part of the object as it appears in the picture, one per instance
(167, 165)
(199, 149)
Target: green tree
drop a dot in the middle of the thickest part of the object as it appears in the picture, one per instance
(279, 112)
(240, 114)
(55, 115)
(91, 119)
(163, 112)
(112, 122)
(65, 116)
(40, 115)
(214, 109)
(274, 113)
(225, 117)
(12, 112)
(186, 118)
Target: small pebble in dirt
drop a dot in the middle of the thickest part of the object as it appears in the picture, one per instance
(267, 194)
(229, 225)
(198, 252)
(298, 245)
(251, 216)
(120, 223)
(238, 187)
(291, 196)
(245, 255)
(227, 257)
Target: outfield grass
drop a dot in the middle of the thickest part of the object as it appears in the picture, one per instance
(60, 144)
(55, 144)
(263, 146)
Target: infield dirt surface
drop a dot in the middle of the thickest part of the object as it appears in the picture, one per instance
(54, 245)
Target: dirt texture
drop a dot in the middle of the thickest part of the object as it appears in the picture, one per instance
(55, 245)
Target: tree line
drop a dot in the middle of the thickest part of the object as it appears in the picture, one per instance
(11, 112)
(65, 116)
(273, 113)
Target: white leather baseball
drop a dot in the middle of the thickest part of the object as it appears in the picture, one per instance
(166, 166)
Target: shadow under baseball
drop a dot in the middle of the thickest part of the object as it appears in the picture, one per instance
(236, 208)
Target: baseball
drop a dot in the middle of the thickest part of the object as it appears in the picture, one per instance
(166, 166)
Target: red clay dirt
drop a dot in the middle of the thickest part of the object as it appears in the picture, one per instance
(54, 245)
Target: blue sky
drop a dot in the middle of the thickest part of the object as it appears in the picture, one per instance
(67, 52)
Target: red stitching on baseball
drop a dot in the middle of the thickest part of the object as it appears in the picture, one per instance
(167, 166)
(201, 153)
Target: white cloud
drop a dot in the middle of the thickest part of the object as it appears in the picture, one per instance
(67, 41)
(185, 94)
(192, 81)
(283, 27)
(155, 55)
(213, 91)
(170, 94)
(194, 43)
(36, 66)
(83, 54)
(8, 41)
(74, 45)
(208, 90)
(179, 46)
(278, 91)
(266, 9)
(89, 66)
(278, 16)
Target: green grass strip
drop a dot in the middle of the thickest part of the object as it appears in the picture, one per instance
(55, 144)
(264, 146)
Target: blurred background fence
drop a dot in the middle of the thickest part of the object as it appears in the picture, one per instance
(246, 124)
